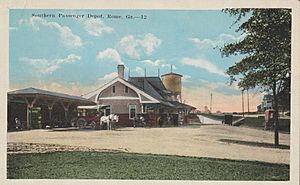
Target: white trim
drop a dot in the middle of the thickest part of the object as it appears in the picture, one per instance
(97, 91)
(149, 102)
(119, 98)
(90, 106)
(117, 79)
(139, 92)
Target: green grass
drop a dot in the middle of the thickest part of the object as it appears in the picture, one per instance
(252, 122)
(98, 165)
(284, 124)
(257, 144)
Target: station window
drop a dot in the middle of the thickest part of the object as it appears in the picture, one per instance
(132, 111)
(126, 89)
(113, 89)
(107, 111)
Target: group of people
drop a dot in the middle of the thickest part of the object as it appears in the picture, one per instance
(143, 120)
(169, 119)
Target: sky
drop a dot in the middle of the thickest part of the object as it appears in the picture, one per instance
(77, 51)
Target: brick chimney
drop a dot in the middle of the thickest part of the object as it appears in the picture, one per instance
(121, 68)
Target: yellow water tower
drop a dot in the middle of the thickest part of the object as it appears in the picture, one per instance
(172, 82)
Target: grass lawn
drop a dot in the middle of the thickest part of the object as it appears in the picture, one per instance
(252, 122)
(101, 165)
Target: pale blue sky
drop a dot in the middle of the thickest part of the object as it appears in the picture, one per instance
(77, 55)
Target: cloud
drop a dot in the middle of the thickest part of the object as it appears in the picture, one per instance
(45, 66)
(109, 54)
(150, 42)
(204, 64)
(68, 38)
(152, 63)
(222, 39)
(139, 71)
(186, 78)
(109, 76)
(158, 63)
(71, 88)
(221, 87)
(96, 27)
(135, 46)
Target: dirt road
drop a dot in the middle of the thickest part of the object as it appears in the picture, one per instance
(193, 140)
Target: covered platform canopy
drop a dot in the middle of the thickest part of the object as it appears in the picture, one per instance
(36, 108)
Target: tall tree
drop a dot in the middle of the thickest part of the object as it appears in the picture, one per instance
(266, 50)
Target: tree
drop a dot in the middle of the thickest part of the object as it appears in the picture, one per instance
(266, 50)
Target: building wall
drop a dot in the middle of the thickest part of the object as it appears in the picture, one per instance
(119, 91)
(120, 106)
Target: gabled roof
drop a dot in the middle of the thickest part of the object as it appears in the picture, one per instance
(155, 87)
(95, 94)
(156, 83)
(182, 105)
(152, 85)
(144, 85)
(35, 91)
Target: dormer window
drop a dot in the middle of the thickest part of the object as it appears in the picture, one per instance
(113, 89)
(126, 89)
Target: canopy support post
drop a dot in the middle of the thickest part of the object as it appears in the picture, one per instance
(29, 111)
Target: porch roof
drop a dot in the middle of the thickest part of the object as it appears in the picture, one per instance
(43, 93)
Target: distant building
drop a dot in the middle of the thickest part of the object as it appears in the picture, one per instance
(142, 95)
(266, 104)
(206, 110)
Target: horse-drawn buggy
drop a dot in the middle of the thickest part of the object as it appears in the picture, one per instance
(141, 120)
(94, 117)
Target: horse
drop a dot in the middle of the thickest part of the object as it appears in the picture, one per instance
(109, 120)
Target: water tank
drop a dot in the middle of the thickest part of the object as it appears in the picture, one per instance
(172, 82)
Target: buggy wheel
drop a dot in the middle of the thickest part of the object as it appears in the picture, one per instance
(81, 123)
(93, 125)
(73, 122)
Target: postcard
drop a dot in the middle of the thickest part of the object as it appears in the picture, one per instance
(182, 92)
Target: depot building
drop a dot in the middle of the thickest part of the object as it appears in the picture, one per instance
(153, 96)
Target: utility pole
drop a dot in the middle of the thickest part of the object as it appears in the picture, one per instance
(210, 102)
(243, 103)
(248, 101)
